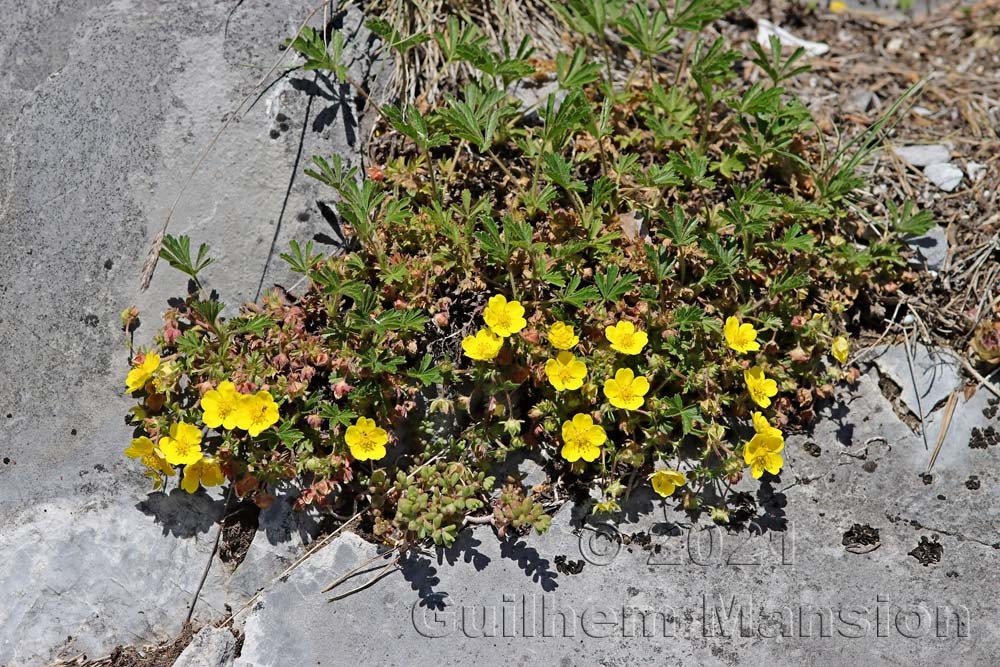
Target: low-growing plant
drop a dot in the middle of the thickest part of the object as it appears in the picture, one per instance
(635, 283)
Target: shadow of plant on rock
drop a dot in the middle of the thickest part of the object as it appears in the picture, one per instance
(183, 514)
(420, 572)
(529, 560)
(341, 100)
(465, 547)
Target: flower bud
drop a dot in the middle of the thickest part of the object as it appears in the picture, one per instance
(130, 318)
(719, 515)
(341, 389)
(154, 402)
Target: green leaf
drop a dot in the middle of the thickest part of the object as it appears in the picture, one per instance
(300, 260)
(208, 311)
(689, 318)
(907, 220)
(409, 121)
(255, 325)
(311, 46)
(496, 247)
(456, 36)
(679, 228)
(336, 415)
(476, 118)
(613, 286)
(400, 321)
(770, 61)
(574, 72)
(795, 240)
(579, 297)
(787, 281)
(391, 36)
(428, 373)
(177, 253)
(675, 409)
(729, 165)
(649, 32)
(287, 434)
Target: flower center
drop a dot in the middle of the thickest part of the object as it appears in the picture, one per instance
(503, 319)
(259, 415)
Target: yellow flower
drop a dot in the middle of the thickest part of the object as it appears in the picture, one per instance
(366, 440)
(485, 345)
(665, 482)
(166, 377)
(149, 455)
(256, 412)
(625, 390)
(625, 339)
(764, 453)
(183, 445)
(765, 436)
(140, 375)
(222, 406)
(840, 349)
(565, 371)
(562, 336)
(582, 439)
(741, 337)
(761, 387)
(838, 7)
(503, 318)
(761, 425)
(205, 471)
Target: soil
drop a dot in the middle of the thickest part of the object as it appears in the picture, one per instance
(892, 392)
(958, 45)
(238, 530)
(163, 655)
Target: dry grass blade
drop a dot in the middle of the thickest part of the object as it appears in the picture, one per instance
(384, 572)
(916, 389)
(356, 571)
(423, 74)
(949, 412)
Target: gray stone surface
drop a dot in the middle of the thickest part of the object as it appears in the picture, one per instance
(104, 108)
(282, 536)
(946, 175)
(784, 574)
(923, 155)
(931, 247)
(211, 647)
(936, 374)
